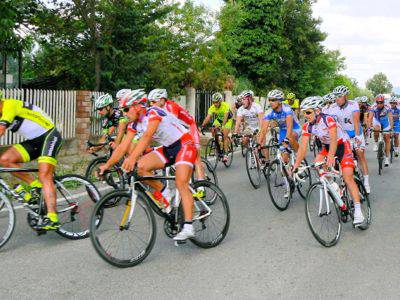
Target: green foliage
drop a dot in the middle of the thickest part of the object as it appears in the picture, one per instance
(379, 84)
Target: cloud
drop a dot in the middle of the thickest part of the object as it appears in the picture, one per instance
(366, 33)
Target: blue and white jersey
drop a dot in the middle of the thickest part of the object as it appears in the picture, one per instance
(396, 116)
(345, 116)
(381, 115)
(281, 115)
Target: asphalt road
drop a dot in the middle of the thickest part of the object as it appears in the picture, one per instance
(266, 254)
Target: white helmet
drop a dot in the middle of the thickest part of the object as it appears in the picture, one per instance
(393, 99)
(328, 98)
(363, 99)
(276, 94)
(132, 97)
(312, 102)
(157, 94)
(217, 97)
(103, 101)
(341, 91)
(248, 93)
(121, 93)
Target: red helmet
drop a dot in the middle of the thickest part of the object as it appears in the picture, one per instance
(380, 97)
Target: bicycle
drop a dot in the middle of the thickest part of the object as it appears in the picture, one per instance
(114, 178)
(215, 149)
(332, 205)
(130, 211)
(75, 198)
(380, 155)
(280, 184)
(315, 145)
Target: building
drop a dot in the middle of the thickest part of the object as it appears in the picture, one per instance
(11, 70)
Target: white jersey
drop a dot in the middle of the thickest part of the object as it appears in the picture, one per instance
(250, 116)
(344, 115)
(169, 130)
(321, 129)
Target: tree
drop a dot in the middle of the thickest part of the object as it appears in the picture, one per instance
(379, 84)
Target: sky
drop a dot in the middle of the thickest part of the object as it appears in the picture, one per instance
(365, 31)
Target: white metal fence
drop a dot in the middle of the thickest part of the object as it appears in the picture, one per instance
(59, 105)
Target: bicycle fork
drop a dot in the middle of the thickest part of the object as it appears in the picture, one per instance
(128, 213)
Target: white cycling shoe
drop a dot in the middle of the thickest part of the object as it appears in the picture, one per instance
(387, 162)
(358, 218)
(186, 233)
(367, 188)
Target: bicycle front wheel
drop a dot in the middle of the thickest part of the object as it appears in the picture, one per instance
(112, 180)
(229, 153)
(253, 168)
(7, 219)
(76, 197)
(212, 153)
(302, 187)
(122, 240)
(323, 216)
(380, 156)
(278, 186)
(211, 217)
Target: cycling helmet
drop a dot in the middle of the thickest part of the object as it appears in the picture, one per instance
(380, 97)
(238, 99)
(133, 97)
(291, 96)
(341, 91)
(121, 93)
(329, 98)
(248, 93)
(393, 99)
(363, 99)
(217, 97)
(276, 94)
(103, 101)
(312, 102)
(157, 94)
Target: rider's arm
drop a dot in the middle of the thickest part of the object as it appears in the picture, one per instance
(121, 150)
(356, 122)
(370, 118)
(206, 120)
(263, 132)
(121, 131)
(226, 115)
(237, 125)
(334, 141)
(289, 125)
(390, 120)
(301, 153)
(260, 118)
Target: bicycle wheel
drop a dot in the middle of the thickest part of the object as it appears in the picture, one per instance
(7, 219)
(272, 150)
(229, 153)
(243, 149)
(211, 216)
(253, 168)
(380, 157)
(76, 197)
(119, 243)
(302, 187)
(113, 179)
(323, 216)
(210, 173)
(212, 153)
(364, 203)
(391, 149)
(278, 186)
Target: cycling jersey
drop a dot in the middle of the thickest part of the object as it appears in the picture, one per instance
(294, 105)
(364, 109)
(396, 119)
(25, 118)
(281, 115)
(113, 120)
(220, 111)
(381, 116)
(345, 116)
(250, 115)
(168, 131)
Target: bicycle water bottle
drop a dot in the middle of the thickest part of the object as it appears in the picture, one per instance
(336, 189)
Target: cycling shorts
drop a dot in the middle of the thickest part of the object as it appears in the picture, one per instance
(194, 132)
(44, 147)
(354, 144)
(183, 151)
(396, 129)
(343, 153)
(228, 124)
(385, 126)
(283, 132)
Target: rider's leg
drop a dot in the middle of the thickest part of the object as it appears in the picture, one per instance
(293, 139)
(12, 158)
(148, 163)
(386, 137)
(396, 142)
(225, 132)
(182, 178)
(46, 173)
(199, 167)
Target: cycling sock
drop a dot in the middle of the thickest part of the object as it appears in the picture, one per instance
(35, 184)
(188, 223)
(53, 217)
(366, 179)
(357, 206)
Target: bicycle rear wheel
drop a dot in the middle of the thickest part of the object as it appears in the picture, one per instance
(229, 153)
(112, 180)
(364, 203)
(7, 219)
(253, 168)
(211, 216)
(391, 149)
(210, 173)
(119, 243)
(76, 197)
(380, 157)
(278, 186)
(323, 216)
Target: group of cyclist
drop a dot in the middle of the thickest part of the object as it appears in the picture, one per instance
(339, 124)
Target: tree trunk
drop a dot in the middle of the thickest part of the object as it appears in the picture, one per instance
(97, 68)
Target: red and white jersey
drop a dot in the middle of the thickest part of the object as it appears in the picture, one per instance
(179, 112)
(321, 129)
(169, 129)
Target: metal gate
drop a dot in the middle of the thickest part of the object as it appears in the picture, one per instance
(203, 103)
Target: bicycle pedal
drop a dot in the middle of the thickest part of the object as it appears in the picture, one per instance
(178, 243)
(40, 232)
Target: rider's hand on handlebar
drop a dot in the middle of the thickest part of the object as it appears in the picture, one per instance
(330, 161)
(129, 164)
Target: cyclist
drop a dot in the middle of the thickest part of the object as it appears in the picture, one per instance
(289, 128)
(159, 97)
(364, 110)
(177, 147)
(347, 114)
(381, 118)
(396, 123)
(236, 105)
(329, 99)
(43, 142)
(335, 144)
(251, 113)
(224, 119)
(293, 103)
(113, 120)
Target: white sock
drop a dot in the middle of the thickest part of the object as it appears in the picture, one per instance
(366, 179)
(188, 226)
(357, 207)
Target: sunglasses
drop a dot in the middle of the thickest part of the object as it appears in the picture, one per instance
(272, 100)
(125, 109)
(380, 102)
(308, 112)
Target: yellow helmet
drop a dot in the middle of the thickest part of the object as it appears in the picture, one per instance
(291, 96)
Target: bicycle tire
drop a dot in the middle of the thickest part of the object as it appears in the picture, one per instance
(306, 186)
(202, 226)
(75, 215)
(210, 173)
(274, 168)
(334, 210)
(7, 220)
(243, 149)
(102, 210)
(391, 150)
(380, 157)
(365, 204)
(108, 178)
(229, 154)
(211, 153)
(251, 163)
